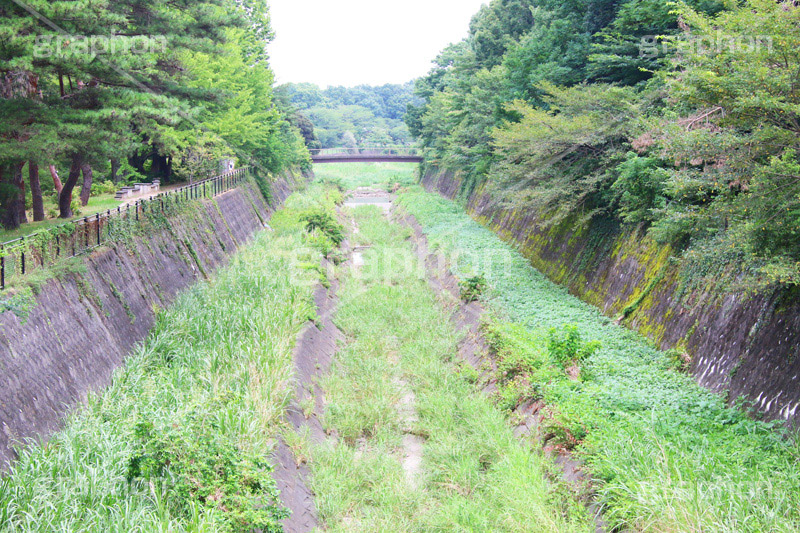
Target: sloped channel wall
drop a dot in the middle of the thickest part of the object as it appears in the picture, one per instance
(743, 344)
(83, 321)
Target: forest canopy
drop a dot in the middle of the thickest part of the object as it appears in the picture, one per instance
(678, 119)
(131, 91)
(353, 116)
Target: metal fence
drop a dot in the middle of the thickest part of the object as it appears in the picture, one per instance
(21, 256)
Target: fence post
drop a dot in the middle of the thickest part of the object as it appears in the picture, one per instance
(97, 229)
(2, 268)
(58, 246)
(22, 256)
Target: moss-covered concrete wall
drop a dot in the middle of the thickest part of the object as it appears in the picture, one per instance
(77, 326)
(738, 343)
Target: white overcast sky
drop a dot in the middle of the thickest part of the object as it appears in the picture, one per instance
(353, 42)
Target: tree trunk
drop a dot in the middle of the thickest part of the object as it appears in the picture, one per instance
(86, 188)
(14, 205)
(137, 160)
(65, 197)
(115, 170)
(160, 167)
(36, 191)
(6, 218)
(56, 180)
(19, 182)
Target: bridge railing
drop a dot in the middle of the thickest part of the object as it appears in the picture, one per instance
(44, 248)
(367, 151)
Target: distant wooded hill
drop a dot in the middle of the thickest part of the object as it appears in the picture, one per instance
(351, 116)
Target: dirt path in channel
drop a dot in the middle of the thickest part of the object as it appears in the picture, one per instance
(412, 444)
(312, 358)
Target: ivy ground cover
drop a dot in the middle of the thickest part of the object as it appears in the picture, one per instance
(666, 454)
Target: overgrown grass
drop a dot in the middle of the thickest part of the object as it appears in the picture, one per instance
(181, 438)
(353, 175)
(668, 454)
(475, 474)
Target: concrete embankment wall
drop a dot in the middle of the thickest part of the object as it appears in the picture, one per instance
(746, 344)
(83, 321)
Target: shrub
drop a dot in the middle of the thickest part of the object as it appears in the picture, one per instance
(103, 187)
(75, 206)
(566, 346)
(321, 242)
(200, 465)
(472, 288)
(324, 221)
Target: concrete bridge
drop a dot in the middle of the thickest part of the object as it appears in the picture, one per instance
(367, 154)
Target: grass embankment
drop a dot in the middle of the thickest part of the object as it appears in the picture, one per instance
(400, 357)
(668, 454)
(180, 440)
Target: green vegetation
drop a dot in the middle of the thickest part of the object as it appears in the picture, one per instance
(97, 204)
(472, 287)
(353, 175)
(680, 117)
(396, 379)
(123, 92)
(324, 222)
(324, 232)
(180, 440)
(357, 116)
(667, 454)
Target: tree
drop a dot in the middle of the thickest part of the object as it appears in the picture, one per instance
(555, 160)
(374, 115)
(36, 191)
(497, 27)
(737, 182)
(66, 99)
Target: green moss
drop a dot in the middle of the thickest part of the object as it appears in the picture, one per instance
(640, 295)
(195, 258)
(121, 299)
(88, 292)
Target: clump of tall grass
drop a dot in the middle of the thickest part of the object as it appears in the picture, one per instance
(180, 440)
